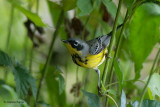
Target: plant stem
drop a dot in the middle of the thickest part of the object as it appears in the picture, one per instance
(106, 68)
(77, 80)
(84, 28)
(10, 27)
(118, 47)
(9, 35)
(120, 36)
(74, 103)
(117, 82)
(149, 78)
(111, 99)
(32, 49)
(49, 54)
(127, 17)
(25, 50)
(37, 8)
(31, 59)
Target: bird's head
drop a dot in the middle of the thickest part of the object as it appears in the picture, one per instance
(76, 46)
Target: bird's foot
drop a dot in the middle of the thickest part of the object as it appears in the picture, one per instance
(99, 91)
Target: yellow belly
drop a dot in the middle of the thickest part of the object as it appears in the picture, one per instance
(91, 61)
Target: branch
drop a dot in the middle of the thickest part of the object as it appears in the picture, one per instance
(106, 67)
(9, 35)
(49, 54)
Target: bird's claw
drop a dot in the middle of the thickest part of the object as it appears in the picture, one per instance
(99, 91)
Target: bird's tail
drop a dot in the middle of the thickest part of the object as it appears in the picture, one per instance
(110, 34)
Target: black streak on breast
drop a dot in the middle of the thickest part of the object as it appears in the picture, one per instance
(76, 56)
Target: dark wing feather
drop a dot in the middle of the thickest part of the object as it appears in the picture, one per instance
(98, 44)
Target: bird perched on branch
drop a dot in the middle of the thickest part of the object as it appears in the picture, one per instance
(89, 54)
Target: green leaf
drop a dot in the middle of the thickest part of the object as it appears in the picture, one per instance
(135, 104)
(68, 4)
(150, 103)
(123, 99)
(93, 99)
(60, 80)
(95, 19)
(53, 89)
(154, 85)
(10, 90)
(55, 11)
(144, 33)
(13, 97)
(129, 4)
(112, 9)
(151, 9)
(24, 81)
(118, 73)
(58, 69)
(32, 16)
(85, 7)
(2, 82)
(61, 83)
(150, 94)
(5, 93)
(33, 85)
(5, 60)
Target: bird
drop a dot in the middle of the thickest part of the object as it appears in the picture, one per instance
(89, 54)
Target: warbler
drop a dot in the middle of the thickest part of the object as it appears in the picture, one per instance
(89, 54)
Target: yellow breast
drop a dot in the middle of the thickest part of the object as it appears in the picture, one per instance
(90, 61)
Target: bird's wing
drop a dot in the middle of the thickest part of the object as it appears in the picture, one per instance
(98, 44)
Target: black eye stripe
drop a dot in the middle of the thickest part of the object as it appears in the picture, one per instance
(76, 45)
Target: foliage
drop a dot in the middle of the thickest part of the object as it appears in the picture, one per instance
(93, 100)
(23, 79)
(32, 16)
(154, 85)
(123, 99)
(119, 73)
(150, 103)
(144, 35)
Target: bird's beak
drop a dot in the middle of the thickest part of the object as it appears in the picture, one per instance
(65, 41)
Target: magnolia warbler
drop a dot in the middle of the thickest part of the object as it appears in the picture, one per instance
(89, 54)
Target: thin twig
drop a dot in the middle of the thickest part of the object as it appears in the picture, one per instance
(111, 99)
(49, 54)
(123, 81)
(32, 49)
(149, 78)
(118, 47)
(37, 8)
(106, 68)
(9, 35)
(74, 103)
(84, 28)
(10, 28)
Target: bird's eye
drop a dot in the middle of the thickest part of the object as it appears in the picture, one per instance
(75, 43)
